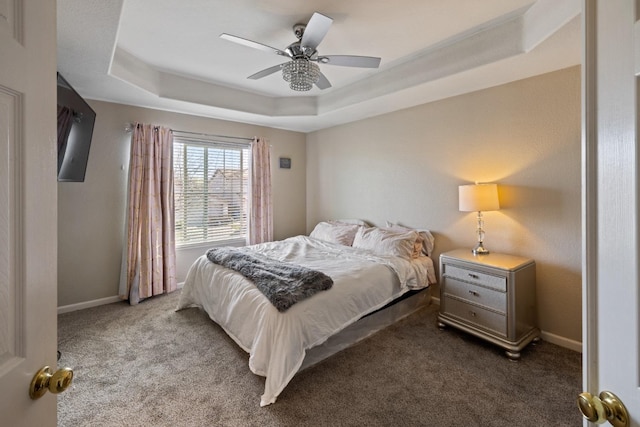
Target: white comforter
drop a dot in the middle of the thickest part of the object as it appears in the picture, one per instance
(277, 342)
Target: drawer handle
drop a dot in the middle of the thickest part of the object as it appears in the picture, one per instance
(473, 313)
(474, 293)
(474, 276)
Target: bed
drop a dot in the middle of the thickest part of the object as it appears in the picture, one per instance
(370, 268)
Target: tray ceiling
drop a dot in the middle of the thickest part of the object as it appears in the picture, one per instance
(167, 54)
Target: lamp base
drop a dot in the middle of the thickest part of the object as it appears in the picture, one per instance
(480, 250)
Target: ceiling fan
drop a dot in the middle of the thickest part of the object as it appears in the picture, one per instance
(302, 71)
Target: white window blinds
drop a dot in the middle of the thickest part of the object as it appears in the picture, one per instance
(210, 191)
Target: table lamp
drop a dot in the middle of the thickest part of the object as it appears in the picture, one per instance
(478, 198)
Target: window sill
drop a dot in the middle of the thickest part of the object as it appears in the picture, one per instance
(207, 245)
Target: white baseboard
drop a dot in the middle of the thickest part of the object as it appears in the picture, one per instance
(561, 341)
(94, 303)
(88, 304)
(546, 336)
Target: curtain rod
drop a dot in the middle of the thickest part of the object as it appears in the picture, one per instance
(129, 128)
(210, 134)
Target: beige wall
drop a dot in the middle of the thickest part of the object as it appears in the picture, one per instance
(406, 166)
(91, 213)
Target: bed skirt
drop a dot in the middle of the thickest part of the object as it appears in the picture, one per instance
(368, 325)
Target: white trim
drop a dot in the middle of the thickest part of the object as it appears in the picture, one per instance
(95, 303)
(211, 244)
(636, 37)
(561, 341)
(88, 304)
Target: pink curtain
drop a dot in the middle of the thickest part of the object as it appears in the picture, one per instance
(260, 215)
(150, 265)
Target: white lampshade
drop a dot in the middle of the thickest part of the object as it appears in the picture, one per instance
(478, 197)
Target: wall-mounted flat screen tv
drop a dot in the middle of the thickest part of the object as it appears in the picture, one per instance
(75, 129)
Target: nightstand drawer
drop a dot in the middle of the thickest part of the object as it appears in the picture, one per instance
(476, 294)
(495, 282)
(477, 316)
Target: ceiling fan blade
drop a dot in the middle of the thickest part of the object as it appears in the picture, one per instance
(266, 72)
(316, 29)
(251, 43)
(350, 61)
(323, 82)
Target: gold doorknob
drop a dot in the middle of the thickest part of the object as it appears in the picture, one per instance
(606, 407)
(44, 380)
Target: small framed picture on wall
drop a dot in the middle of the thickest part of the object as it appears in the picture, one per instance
(285, 163)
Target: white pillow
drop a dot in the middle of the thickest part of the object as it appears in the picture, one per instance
(384, 241)
(427, 238)
(335, 232)
(352, 221)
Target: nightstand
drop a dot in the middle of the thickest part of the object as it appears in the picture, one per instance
(490, 296)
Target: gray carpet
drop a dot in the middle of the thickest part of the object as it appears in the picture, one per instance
(148, 365)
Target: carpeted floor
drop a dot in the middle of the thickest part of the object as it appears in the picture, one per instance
(148, 365)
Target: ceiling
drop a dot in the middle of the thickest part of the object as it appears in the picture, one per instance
(167, 54)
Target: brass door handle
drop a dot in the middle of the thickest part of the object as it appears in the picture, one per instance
(44, 380)
(606, 407)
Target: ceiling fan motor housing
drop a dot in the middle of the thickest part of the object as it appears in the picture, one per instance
(295, 50)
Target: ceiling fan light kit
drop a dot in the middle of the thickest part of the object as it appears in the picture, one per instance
(302, 72)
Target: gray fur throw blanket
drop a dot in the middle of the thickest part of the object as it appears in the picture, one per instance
(282, 283)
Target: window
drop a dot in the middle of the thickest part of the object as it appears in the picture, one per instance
(210, 191)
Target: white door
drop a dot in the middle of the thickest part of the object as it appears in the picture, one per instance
(611, 201)
(28, 207)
